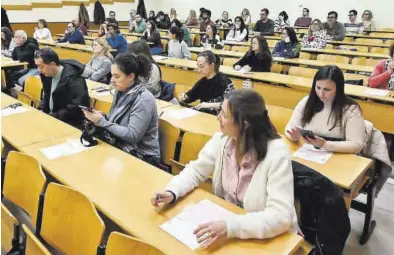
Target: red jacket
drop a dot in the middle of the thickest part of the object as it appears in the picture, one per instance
(380, 76)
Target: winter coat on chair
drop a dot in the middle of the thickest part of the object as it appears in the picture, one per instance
(325, 221)
(99, 13)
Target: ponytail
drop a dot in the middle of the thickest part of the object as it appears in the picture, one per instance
(210, 58)
(178, 32)
(139, 65)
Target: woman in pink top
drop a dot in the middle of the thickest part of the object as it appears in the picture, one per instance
(251, 168)
(382, 76)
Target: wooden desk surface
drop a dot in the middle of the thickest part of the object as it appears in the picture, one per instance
(30, 127)
(345, 53)
(380, 31)
(383, 37)
(72, 46)
(8, 62)
(226, 53)
(121, 186)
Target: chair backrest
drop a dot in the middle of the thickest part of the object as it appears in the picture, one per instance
(23, 97)
(8, 226)
(24, 181)
(194, 56)
(380, 50)
(33, 87)
(121, 244)
(365, 61)
(229, 61)
(276, 68)
(163, 33)
(33, 245)
(302, 72)
(192, 144)
(103, 106)
(367, 40)
(192, 39)
(333, 58)
(70, 222)
(353, 76)
(305, 55)
(279, 117)
(226, 47)
(164, 42)
(169, 136)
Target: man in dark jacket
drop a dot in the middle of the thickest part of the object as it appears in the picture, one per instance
(99, 14)
(73, 35)
(163, 21)
(64, 87)
(24, 52)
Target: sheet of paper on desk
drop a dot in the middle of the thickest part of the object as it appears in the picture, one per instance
(377, 92)
(11, 111)
(182, 226)
(161, 57)
(102, 93)
(308, 152)
(278, 58)
(181, 114)
(70, 147)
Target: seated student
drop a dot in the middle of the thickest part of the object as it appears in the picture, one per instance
(264, 25)
(211, 88)
(192, 19)
(382, 76)
(73, 35)
(368, 22)
(115, 39)
(305, 20)
(186, 33)
(316, 37)
(354, 27)
(163, 21)
(282, 21)
(132, 20)
(110, 21)
(173, 14)
(251, 168)
(112, 15)
(153, 83)
(42, 32)
(99, 65)
(7, 42)
(64, 87)
(152, 35)
(132, 124)
(206, 20)
(240, 31)
(24, 52)
(258, 58)
(335, 29)
(334, 118)
(139, 24)
(152, 16)
(211, 39)
(177, 48)
(103, 30)
(288, 47)
(224, 22)
(246, 16)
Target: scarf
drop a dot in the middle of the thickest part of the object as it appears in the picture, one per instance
(391, 80)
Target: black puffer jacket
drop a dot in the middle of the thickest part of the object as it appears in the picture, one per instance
(99, 13)
(25, 52)
(70, 92)
(324, 218)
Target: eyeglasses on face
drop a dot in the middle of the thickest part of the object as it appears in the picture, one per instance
(330, 17)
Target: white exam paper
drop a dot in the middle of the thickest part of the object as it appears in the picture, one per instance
(377, 92)
(308, 152)
(11, 111)
(181, 114)
(70, 147)
(182, 226)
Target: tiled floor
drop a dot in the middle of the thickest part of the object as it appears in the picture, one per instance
(381, 241)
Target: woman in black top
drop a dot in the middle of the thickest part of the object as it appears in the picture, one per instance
(211, 39)
(257, 59)
(151, 34)
(211, 88)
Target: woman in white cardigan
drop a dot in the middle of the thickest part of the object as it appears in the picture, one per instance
(42, 32)
(252, 169)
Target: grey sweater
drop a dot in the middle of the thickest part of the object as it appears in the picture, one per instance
(336, 32)
(153, 83)
(98, 68)
(178, 49)
(138, 128)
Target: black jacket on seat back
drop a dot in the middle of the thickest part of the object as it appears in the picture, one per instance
(99, 14)
(25, 52)
(70, 92)
(324, 218)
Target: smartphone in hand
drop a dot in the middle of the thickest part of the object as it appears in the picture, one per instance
(306, 133)
(85, 108)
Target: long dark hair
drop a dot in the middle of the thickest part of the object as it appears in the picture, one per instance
(153, 26)
(249, 113)
(140, 47)
(242, 27)
(285, 16)
(264, 50)
(5, 44)
(129, 63)
(210, 58)
(175, 30)
(43, 22)
(341, 101)
(292, 35)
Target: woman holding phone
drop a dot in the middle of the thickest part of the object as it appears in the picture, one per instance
(382, 76)
(334, 118)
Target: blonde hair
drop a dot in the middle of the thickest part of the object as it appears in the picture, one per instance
(248, 12)
(310, 26)
(193, 14)
(106, 49)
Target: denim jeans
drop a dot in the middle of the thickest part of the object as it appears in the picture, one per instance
(31, 72)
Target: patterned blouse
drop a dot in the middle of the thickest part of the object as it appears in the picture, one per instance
(317, 40)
